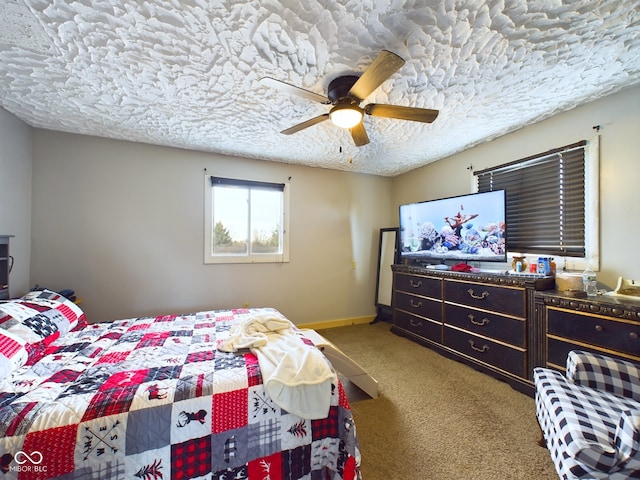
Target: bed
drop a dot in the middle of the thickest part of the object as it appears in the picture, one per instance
(153, 398)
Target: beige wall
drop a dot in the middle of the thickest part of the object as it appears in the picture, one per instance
(619, 118)
(122, 224)
(15, 196)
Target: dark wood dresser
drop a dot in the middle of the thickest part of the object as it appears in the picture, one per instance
(600, 324)
(6, 262)
(486, 320)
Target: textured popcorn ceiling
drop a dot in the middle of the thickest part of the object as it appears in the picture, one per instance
(186, 73)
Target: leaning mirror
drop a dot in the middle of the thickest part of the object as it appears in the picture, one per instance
(384, 284)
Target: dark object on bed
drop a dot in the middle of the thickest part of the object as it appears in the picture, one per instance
(67, 292)
(154, 398)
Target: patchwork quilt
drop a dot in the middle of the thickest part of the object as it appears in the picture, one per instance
(153, 398)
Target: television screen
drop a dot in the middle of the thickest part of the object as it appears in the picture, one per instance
(462, 228)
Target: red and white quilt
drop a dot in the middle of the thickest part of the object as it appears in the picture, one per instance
(153, 398)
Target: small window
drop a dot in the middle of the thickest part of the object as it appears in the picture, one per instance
(245, 221)
(550, 196)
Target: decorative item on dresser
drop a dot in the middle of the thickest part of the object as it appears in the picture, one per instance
(600, 324)
(6, 264)
(483, 319)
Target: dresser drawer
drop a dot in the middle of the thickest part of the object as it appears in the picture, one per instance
(422, 327)
(603, 332)
(506, 329)
(558, 349)
(557, 352)
(422, 306)
(505, 358)
(509, 300)
(419, 285)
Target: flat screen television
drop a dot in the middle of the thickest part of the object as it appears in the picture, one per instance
(462, 228)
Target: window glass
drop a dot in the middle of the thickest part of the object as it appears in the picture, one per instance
(230, 220)
(245, 221)
(266, 221)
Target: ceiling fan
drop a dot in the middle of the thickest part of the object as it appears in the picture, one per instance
(346, 93)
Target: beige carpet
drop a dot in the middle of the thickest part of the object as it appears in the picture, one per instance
(435, 418)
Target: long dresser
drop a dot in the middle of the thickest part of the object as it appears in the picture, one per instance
(600, 324)
(486, 320)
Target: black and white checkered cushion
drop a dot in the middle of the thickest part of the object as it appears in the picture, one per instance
(628, 435)
(604, 373)
(589, 433)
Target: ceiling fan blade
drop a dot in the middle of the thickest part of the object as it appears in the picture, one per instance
(308, 123)
(293, 90)
(385, 65)
(359, 135)
(425, 115)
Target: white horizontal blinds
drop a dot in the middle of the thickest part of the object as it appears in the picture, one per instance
(545, 200)
(233, 182)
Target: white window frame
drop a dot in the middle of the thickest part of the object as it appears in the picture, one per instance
(591, 210)
(211, 258)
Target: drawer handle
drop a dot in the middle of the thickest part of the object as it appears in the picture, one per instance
(481, 323)
(599, 328)
(485, 348)
(416, 305)
(482, 296)
(633, 335)
(415, 323)
(415, 285)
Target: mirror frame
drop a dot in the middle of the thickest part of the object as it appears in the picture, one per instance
(387, 256)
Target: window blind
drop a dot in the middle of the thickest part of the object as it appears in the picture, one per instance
(545, 200)
(233, 182)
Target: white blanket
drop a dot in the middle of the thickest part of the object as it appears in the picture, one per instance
(296, 376)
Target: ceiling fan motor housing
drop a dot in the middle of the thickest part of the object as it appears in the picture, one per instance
(339, 88)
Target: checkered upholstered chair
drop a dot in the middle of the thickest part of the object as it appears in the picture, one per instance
(590, 418)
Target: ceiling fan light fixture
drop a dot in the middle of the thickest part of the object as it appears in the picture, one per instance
(346, 116)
